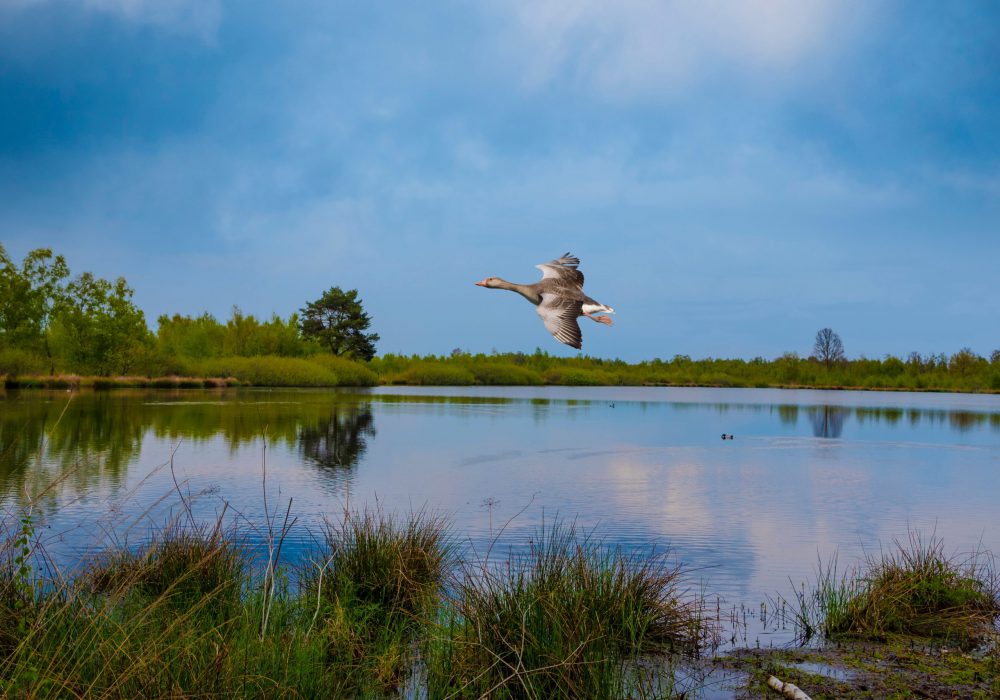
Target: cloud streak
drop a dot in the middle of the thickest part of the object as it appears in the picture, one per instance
(641, 48)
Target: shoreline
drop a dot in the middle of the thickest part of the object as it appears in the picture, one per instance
(103, 383)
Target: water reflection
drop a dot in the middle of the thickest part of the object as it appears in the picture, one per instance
(339, 441)
(44, 436)
(98, 435)
(642, 467)
(828, 421)
(95, 436)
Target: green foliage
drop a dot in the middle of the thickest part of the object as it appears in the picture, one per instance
(437, 374)
(964, 372)
(914, 590)
(242, 335)
(30, 297)
(267, 371)
(270, 370)
(579, 377)
(395, 567)
(504, 374)
(338, 322)
(15, 362)
(97, 327)
(90, 326)
(193, 338)
(182, 567)
(347, 372)
(566, 621)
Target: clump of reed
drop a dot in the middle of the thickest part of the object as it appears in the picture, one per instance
(914, 589)
(188, 566)
(377, 582)
(570, 619)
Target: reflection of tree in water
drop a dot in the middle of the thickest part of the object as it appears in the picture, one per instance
(44, 435)
(788, 414)
(338, 442)
(828, 421)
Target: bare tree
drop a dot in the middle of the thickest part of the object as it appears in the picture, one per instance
(828, 348)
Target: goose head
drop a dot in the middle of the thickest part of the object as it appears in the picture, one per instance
(489, 282)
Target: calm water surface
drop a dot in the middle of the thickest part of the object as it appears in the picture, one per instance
(808, 473)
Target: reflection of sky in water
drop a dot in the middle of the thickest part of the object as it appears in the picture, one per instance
(807, 473)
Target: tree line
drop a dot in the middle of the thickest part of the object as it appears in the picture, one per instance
(51, 322)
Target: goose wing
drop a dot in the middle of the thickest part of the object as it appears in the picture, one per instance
(563, 271)
(559, 315)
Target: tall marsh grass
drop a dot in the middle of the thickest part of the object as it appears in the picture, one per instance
(570, 619)
(913, 589)
(383, 605)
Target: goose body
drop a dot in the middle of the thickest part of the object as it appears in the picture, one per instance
(558, 298)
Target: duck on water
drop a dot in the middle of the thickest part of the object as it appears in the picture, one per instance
(558, 298)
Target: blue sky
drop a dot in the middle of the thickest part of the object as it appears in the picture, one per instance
(734, 176)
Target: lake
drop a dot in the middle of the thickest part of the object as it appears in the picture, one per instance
(807, 474)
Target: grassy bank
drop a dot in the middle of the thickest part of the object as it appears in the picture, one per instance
(265, 371)
(386, 606)
(964, 373)
(961, 372)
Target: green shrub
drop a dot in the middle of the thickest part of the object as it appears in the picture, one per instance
(433, 374)
(505, 375)
(14, 362)
(579, 377)
(347, 372)
(267, 370)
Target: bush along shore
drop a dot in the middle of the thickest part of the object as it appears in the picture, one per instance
(389, 606)
(963, 372)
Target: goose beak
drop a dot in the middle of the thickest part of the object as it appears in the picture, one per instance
(481, 284)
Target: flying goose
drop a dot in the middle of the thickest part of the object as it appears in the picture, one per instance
(558, 298)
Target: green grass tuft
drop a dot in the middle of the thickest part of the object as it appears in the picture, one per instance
(571, 619)
(914, 589)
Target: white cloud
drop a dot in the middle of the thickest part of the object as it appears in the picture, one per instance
(633, 47)
(196, 17)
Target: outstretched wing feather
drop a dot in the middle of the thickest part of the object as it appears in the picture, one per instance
(559, 316)
(564, 270)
